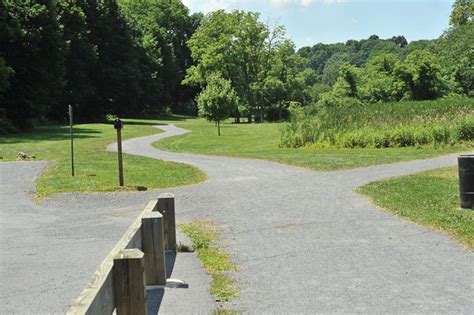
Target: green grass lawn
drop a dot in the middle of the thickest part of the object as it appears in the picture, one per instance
(260, 141)
(430, 198)
(96, 169)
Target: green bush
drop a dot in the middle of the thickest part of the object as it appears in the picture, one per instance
(422, 136)
(465, 129)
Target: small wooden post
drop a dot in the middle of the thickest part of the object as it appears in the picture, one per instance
(166, 208)
(71, 132)
(129, 283)
(118, 125)
(119, 150)
(153, 248)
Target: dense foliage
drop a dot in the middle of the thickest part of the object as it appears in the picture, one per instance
(382, 125)
(325, 59)
(100, 56)
(261, 64)
(128, 57)
(268, 76)
(377, 71)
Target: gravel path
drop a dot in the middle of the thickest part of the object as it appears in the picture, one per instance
(304, 241)
(49, 251)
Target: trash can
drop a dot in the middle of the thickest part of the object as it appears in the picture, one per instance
(466, 180)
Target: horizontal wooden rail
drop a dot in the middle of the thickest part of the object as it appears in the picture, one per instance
(146, 234)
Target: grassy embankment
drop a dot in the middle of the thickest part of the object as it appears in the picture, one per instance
(429, 198)
(262, 141)
(96, 169)
(217, 262)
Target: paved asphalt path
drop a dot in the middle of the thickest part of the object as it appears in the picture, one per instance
(49, 251)
(303, 240)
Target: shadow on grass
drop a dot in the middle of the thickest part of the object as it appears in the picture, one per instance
(141, 123)
(50, 133)
(142, 119)
(61, 132)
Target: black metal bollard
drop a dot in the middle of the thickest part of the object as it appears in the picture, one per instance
(466, 180)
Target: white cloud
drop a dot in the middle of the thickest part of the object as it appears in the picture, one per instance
(214, 5)
(206, 6)
(284, 4)
(281, 4)
(306, 3)
(328, 2)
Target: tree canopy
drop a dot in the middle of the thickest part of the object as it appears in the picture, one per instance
(246, 52)
(132, 57)
(100, 56)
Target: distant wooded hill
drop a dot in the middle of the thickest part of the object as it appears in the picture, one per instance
(325, 59)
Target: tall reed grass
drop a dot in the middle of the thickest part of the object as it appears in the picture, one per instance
(383, 125)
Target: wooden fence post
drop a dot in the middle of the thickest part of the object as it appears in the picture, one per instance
(166, 208)
(153, 248)
(129, 283)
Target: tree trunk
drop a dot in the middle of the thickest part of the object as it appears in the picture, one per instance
(261, 114)
(218, 128)
(237, 117)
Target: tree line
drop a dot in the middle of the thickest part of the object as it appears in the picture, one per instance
(268, 76)
(377, 70)
(147, 56)
(100, 56)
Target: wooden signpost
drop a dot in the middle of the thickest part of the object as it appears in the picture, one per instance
(72, 139)
(118, 125)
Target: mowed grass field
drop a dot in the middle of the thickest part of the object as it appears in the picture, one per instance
(96, 169)
(429, 198)
(261, 141)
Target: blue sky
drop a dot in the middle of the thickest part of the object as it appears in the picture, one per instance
(308, 22)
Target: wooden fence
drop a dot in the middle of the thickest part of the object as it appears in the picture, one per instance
(136, 261)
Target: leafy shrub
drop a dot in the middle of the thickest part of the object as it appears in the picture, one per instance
(440, 134)
(422, 136)
(465, 129)
(403, 137)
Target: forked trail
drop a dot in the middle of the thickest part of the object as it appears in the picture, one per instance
(306, 242)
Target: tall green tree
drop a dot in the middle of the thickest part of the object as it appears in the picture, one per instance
(381, 83)
(5, 73)
(462, 13)
(33, 48)
(241, 48)
(7, 32)
(421, 72)
(117, 74)
(285, 81)
(81, 62)
(349, 80)
(456, 49)
(162, 28)
(217, 101)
